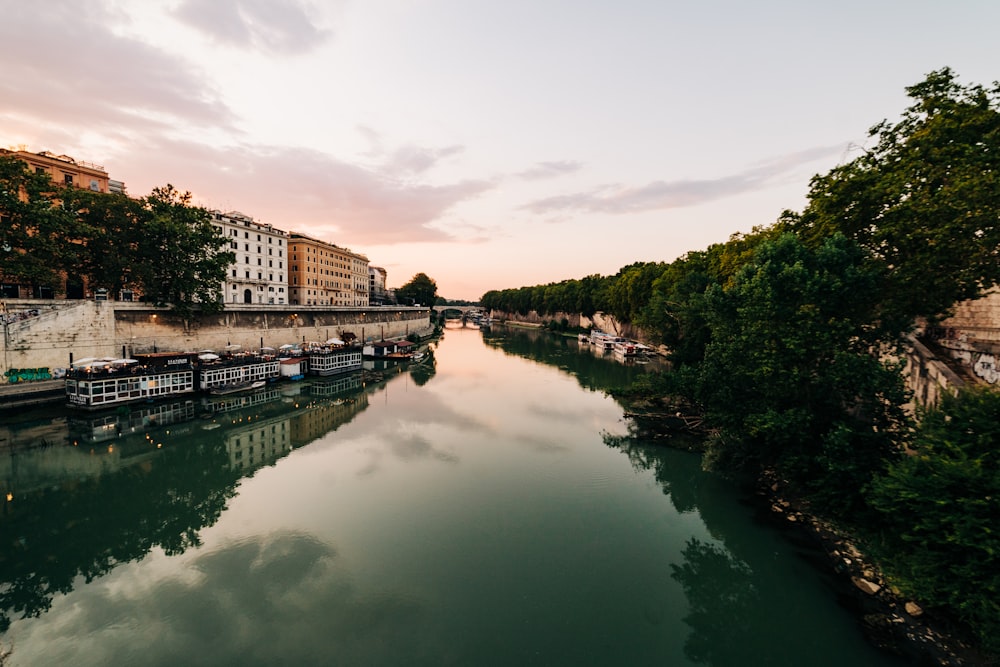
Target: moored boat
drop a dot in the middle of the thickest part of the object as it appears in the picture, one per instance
(235, 369)
(236, 387)
(325, 360)
(101, 383)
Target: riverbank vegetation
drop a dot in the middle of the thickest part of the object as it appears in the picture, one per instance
(787, 341)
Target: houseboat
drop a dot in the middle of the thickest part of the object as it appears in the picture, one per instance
(97, 383)
(238, 369)
(327, 360)
(388, 349)
(625, 348)
(293, 368)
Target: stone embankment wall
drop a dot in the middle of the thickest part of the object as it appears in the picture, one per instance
(599, 321)
(115, 329)
(970, 340)
(972, 337)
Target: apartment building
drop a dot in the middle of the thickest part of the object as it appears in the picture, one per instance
(377, 293)
(324, 274)
(64, 170)
(260, 273)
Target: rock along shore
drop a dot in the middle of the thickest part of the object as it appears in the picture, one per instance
(890, 620)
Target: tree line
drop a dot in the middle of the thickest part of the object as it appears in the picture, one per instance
(159, 245)
(788, 341)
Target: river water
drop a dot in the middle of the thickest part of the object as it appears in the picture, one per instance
(480, 508)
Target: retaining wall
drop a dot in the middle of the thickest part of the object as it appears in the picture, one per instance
(115, 329)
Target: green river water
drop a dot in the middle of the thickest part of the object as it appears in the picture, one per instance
(479, 508)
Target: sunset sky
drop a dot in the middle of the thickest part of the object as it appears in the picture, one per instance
(488, 144)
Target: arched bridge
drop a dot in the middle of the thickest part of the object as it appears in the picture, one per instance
(455, 312)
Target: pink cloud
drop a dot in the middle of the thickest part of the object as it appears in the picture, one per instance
(308, 191)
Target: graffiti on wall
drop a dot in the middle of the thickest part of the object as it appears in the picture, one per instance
(15, 375)
(986, 368)
(982, 364)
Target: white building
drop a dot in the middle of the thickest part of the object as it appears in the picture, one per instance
(260, 273)
(377, 294)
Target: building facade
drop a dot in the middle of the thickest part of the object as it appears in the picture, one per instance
(324, 274)
(260, 273)
(64, 171)
(377, 293)
(67, 171)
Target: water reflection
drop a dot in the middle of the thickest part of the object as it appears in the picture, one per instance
(467, 512)
(594, 371)
(753, 597)
(750, 592)
(84, 493)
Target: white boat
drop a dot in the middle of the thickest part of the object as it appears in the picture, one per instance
(625, 348)
(237, 387)
(235, 369)
(325, 360)
(98, 384)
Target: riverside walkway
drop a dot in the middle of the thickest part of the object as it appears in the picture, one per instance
(24, 394)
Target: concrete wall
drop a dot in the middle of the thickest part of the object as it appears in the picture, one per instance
(972, 337)
(111, 328)
(927, 376)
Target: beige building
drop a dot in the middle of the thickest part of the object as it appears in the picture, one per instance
(324, 274)
(260, 273)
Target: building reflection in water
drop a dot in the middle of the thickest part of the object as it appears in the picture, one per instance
(84, 493)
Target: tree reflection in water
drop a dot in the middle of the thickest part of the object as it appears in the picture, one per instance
(721, 595)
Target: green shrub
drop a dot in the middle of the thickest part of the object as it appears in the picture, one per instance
(940, 509)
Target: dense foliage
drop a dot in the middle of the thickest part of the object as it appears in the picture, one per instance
(420, 290)
(159, 245)
(939, 510)
(785, 340)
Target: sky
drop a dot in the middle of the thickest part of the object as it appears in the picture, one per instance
(489, 144)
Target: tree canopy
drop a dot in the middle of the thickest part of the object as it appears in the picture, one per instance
(160, 245)
(924, 201)
(420, 290)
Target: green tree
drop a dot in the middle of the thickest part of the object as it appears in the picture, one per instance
(114, 225)
(629, 292)
(792, 377)
(183, 261)
(923, 201)
(421, 289)
(939, 508)
(37, 234)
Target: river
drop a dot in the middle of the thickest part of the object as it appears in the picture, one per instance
(484, 507)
